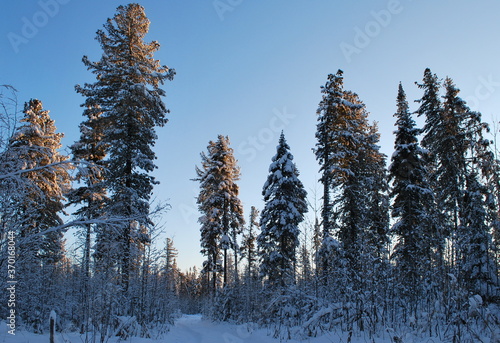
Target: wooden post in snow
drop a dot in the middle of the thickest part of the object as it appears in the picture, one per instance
(53, 317)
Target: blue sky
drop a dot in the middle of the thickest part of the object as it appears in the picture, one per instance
(248, 69)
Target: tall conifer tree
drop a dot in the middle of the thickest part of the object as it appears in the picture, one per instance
(434, 134)
(330, 107)
(285, 205)
(39, 200)
(354, 180)
(218, 201)
(128, 94)
(413, 203)
(476, 264)
(463, 160)
(35, 146)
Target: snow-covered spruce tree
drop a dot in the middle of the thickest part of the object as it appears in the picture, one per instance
(435, 136)
(493, 202)
(211, 231)
(350, 164)
(412, 208)
(444, 181)
(360, 181)
(128, 94)
(331, 107)
(469, 159)
(477, 267)
(469, 131)
(285, 205)
(454, 138)
(39, 196)
(455, 143)
(354, 178)
(488, 162)
(361, 209)
(34, 147)
(431, 108)
(374, 237)
(218, 201)
(353, 161)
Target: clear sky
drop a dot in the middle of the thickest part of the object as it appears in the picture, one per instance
(249, 69)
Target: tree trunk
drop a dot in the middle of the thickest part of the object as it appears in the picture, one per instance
(86, 281)
(236, 276)
(225, 269)
(126, 234)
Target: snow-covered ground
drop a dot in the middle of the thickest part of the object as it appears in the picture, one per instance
(194, 329)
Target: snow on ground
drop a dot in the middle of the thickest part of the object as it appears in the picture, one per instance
(194, 329)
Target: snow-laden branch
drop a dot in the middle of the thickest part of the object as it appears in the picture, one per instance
(19, 172)
(113, 221)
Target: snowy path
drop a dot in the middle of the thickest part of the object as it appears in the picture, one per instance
(193, 329)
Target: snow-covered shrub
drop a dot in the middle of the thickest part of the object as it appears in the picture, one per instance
(322, 320)
(126, 326)
(286, 310)
(227, 305)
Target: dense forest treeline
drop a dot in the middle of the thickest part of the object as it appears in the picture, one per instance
(403, 244)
